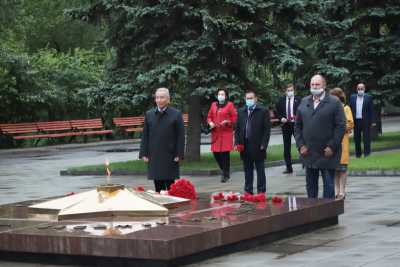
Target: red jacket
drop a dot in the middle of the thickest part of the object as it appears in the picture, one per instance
(222, 134)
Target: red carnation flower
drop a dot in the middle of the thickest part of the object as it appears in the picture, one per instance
(232, 197)
(139, 189)
(183, 188)
(218, 196)
(260, 197)
(277, 200)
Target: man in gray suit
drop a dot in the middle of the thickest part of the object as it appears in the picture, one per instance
(319, 129)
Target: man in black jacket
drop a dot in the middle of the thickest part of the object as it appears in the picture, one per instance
(163, 141)
(286, 111)
(252, 134)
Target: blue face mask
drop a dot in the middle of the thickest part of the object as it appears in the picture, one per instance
(250, 103)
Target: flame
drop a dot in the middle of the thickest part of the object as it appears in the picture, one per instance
(107, 164)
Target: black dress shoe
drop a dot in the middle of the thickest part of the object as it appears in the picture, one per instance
(288, 172)
(225, 179)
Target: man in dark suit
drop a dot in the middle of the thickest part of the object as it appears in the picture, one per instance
(319, 129)
(286, 111)
(252, 134)
(163, 141)
(362, 107)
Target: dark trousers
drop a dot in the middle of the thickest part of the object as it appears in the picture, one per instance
(163, 184)
(328, 178)
(248, 165)
(362, 128)
(287, 133)
(223, 160)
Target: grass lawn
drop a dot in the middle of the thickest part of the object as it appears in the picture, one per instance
(379, 161)
(207, 161)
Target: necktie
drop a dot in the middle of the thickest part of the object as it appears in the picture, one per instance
(289, 112)
(248, 123)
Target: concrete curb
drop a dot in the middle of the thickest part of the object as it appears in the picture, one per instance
(371, 173)
(183, 172)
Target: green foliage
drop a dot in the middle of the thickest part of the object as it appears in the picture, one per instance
(18, 89)
(194, 47)
(362, 44)
(46, 61)
(46, 85)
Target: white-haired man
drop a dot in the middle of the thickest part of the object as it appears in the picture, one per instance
(163, 141)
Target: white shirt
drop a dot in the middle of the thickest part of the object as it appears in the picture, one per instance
(252, 109)
(359, 106)
(291, 107)
(316, 103)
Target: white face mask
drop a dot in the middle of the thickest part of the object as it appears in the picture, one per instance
(316, 91)
(290, 93)
(360, 92)
(221, 98)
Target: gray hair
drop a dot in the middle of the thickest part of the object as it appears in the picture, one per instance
(164, 90)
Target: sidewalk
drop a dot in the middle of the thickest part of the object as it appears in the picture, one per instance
(368, 233)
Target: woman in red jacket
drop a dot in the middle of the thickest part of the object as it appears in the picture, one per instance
(221, 118)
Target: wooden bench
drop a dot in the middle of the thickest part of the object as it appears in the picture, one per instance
(88, 127)
(53, 129)
(129, 124)
(135, 124)
(19, 130)
(185, 119)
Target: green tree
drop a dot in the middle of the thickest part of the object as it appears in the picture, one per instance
(193, 47)
(359, 41)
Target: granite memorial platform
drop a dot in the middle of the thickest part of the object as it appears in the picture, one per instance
(200, 229)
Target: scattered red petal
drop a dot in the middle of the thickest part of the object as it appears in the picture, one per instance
(139, 189)
(277, 200)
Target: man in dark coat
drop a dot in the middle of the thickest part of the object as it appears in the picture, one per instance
(362, 108)
(252, 134)
(286, 110)
(319, 129)
(163, 141)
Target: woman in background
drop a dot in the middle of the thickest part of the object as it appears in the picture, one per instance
(341, 171)
(221, 118)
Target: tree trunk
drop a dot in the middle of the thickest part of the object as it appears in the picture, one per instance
(193, 131)
(376, 129)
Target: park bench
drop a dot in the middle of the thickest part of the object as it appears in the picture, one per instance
(19, 130)
(185, 119)
(135, 124)
(88, 127)
(53, 129)
(129, 124)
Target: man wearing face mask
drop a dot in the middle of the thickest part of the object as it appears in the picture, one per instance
(252, 134)
(163, 141)
(286, 110)
(361, 106)
(319, 129)
(221, 118)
